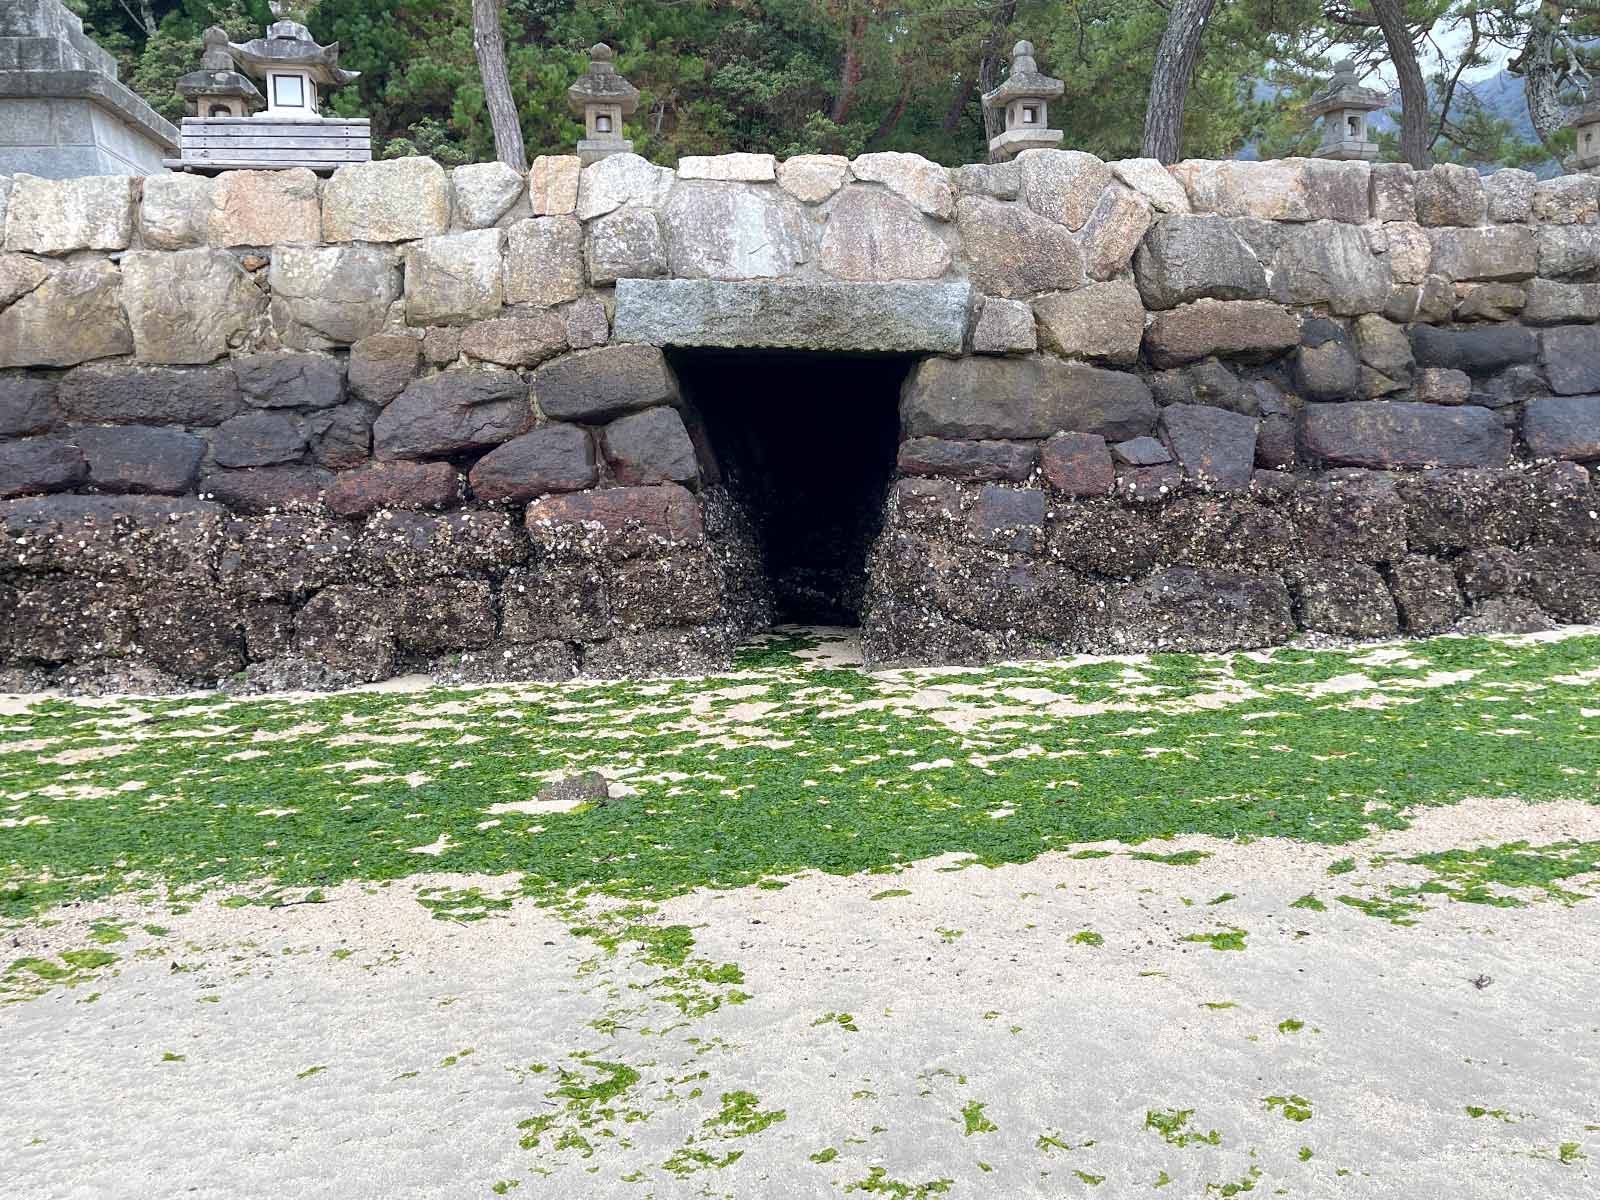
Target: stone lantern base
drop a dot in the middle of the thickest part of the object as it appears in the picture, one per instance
(1014, 141)
(1348, 150)
(592, 150)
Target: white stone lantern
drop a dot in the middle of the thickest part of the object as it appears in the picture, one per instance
(602, 98)
(1343, 106)
(1025, 99)
(294, 70)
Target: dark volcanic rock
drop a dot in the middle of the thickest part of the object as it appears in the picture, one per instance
(1478, 350)
(350, 631)
(39, 464)
(597, 385)
(1360, 518)
(552, 458)
(410, 547)
(1222, 531)
(146, 539)
(1195, 609)
(452, 413)
(1141, 452)
(1450, 511)
(286, 555)
(27, 405)
(193, 635)
(1348, 599)
(969, 461)
(286, 379)
(115, 394)
(341, 437)
(556, 601)
(381, 366)
(1377, 433)
(1565, 583)
(394, 485)
(1563, 427)
(1571, 358)
(983, 398)
(1103, 539)
(258, 439)
(441, 617)
(140, 458)
(1277, 447)
(1078, 464)
(1216, 447)
(264, 489)
(651, 447)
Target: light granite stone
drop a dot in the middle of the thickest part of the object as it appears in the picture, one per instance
(910, 176)
(621, 179)
(57, 216)
(1103, 321)
(544, 261)
(73, 316)
(734, 168)
(553, 184)
(1062, 185)
(392, 200)
(812, 178)
(453, 278)
(327, 296)
(264, 208)
(874, 235)
(484, 192)
(734, 231)
(175, 211)
(625, 244)
(1154, 182)
(189, 306)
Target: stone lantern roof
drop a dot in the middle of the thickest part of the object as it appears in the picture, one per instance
(1344, 93)
(289, 44)
(216, 76)
(602, 85)
(1025, 82)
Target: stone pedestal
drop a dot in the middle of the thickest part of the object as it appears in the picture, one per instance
(63, 113)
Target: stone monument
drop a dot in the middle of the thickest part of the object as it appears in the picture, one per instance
(1025, 99)
(63, 112)
(1343, 106)
(1585, 124)
(602, 98)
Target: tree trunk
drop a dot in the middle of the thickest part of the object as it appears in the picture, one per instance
(850, 74)
(1414, 138)
(1169, 85)
(892, 117)
(149, 14)
(490, 49)
(1540, 82)
(991, 56)
(958, 104)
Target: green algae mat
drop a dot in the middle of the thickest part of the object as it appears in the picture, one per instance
(787, 764)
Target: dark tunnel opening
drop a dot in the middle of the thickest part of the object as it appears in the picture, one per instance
(806, 445)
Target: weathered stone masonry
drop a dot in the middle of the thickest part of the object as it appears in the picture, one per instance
(323, 431)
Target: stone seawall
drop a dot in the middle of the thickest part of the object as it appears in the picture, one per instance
(298, 431)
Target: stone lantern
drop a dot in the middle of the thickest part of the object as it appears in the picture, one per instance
(602, 98)
(1343, 106)
(1586, 124)
(1025, 98)
(216, 89)
(294, 69)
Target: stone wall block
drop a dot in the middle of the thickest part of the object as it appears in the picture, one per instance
(553, 184)
(453, 412)
(28, 404)
(1249, 329)
(729, 168)
(874, 235)
(620, 179)
(189, 306)
(1186, 258)
(734, 231)
(1345, 599)
(259, 439)
(391, 200)
(1199, 609)
(1154, 182)
(265, 208)
(74, 316)
(285, 379)
(484, 192)
(544, 261)
(633, 518)
(1450, 194)
(913, 178)
(402, 485)
(340, 438)
(812, 178)
(984, 398)
(1078, 464)
(141, 458)
(1477, 351)
(551, 458)
(1509, 194)
(1062, 185)
(1273, 190)
(1114, 231)
(454, 278)
(1393, 192)
(969, 461)
(602, 384)
(1566, 200)
(57, 216)
(1571, 358)
(625, 244)
(1393, 435)
(1102, 321)
(1567, 251)
(289, 488)
(1332, 264)
(126, 394)
(515, 341)
(650, 447)
(175, 211)
(1409, 250)
(1550, 302)
(1485, 252)
(380, 366)
(1339, 191)
(1216, 448)
(1565, 427)
(1012, 251)
(34, 465)
(20, 275)
(997, 181)
(1004, 327)
(327, 296)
